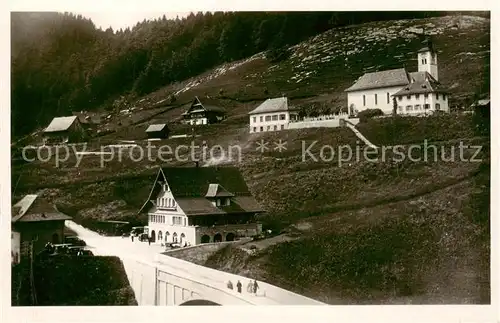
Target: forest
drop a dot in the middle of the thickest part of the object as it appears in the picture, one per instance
(60, 62)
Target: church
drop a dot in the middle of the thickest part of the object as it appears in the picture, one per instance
(413, 93)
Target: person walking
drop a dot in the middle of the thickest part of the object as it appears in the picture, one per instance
(149, 240)
(249, 287)
(255, 287)
(229, 285)
(132, 236)
(238, 286)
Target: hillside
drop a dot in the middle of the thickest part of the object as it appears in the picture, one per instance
(337, 213)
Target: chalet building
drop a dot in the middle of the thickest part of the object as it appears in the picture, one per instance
(64, 130)
(272, 115)
(35, 220)
(193, 205)
(415, 93)
(158, 131)
(203, 113)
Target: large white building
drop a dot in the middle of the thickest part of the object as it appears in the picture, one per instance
(193, 205)
(415, 93)
(272, 115)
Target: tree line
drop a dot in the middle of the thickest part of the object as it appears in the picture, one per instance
(61, 62)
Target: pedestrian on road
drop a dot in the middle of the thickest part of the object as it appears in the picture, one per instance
(149, 240)
(249, 287)
(255, 287)
(132, 237)
(229, 285)
(238, 286)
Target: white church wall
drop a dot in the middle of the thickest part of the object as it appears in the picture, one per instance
(383, 101)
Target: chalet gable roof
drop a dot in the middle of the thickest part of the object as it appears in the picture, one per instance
(216, 190)
(207, 105)
(193, 186)
(272, 105)
(421, 83)
(31, 208)
(157, 127)
(60, 124)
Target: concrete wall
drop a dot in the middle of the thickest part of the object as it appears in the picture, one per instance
(200, 253)
(332, 123)
(268, 294)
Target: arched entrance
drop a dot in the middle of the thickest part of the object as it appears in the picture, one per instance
(166, 236)
(174, 237)
(183, 238)
(199, 302)
(205, 239)
(55, 238)
(160, 236)
(218, 237)
(230, 236)
(153, 236)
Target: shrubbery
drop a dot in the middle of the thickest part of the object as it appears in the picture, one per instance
(75, 281)
(365, 115)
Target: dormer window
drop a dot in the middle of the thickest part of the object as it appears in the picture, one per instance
(218, 202)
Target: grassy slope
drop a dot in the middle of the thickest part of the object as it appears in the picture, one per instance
(424, 250)
(74, 281)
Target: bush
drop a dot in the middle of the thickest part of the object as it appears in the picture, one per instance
(368, 114)
(76, 281)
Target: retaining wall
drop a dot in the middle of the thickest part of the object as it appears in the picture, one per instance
(331, 123)
(199, 254)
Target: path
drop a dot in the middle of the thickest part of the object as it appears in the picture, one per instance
(359, 134)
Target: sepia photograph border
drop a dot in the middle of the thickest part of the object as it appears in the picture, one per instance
(351, 313)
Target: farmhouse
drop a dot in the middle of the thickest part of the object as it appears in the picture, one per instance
(157, 131)
(193, 205)
(203, 113)
(35, 220)
(411, 93)
(64, 130)
(272, 115)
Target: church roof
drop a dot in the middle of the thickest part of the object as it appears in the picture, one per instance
(381, 79)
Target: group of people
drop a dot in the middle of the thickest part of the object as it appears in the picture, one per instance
(252, 287)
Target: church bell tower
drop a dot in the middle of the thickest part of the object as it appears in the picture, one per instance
(427, 59)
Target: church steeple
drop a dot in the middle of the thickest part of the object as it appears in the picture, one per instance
(427, 59)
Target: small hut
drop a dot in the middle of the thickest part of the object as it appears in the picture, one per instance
(158, 131)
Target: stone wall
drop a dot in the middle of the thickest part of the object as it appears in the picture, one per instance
(329, 123)
(200, 253)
